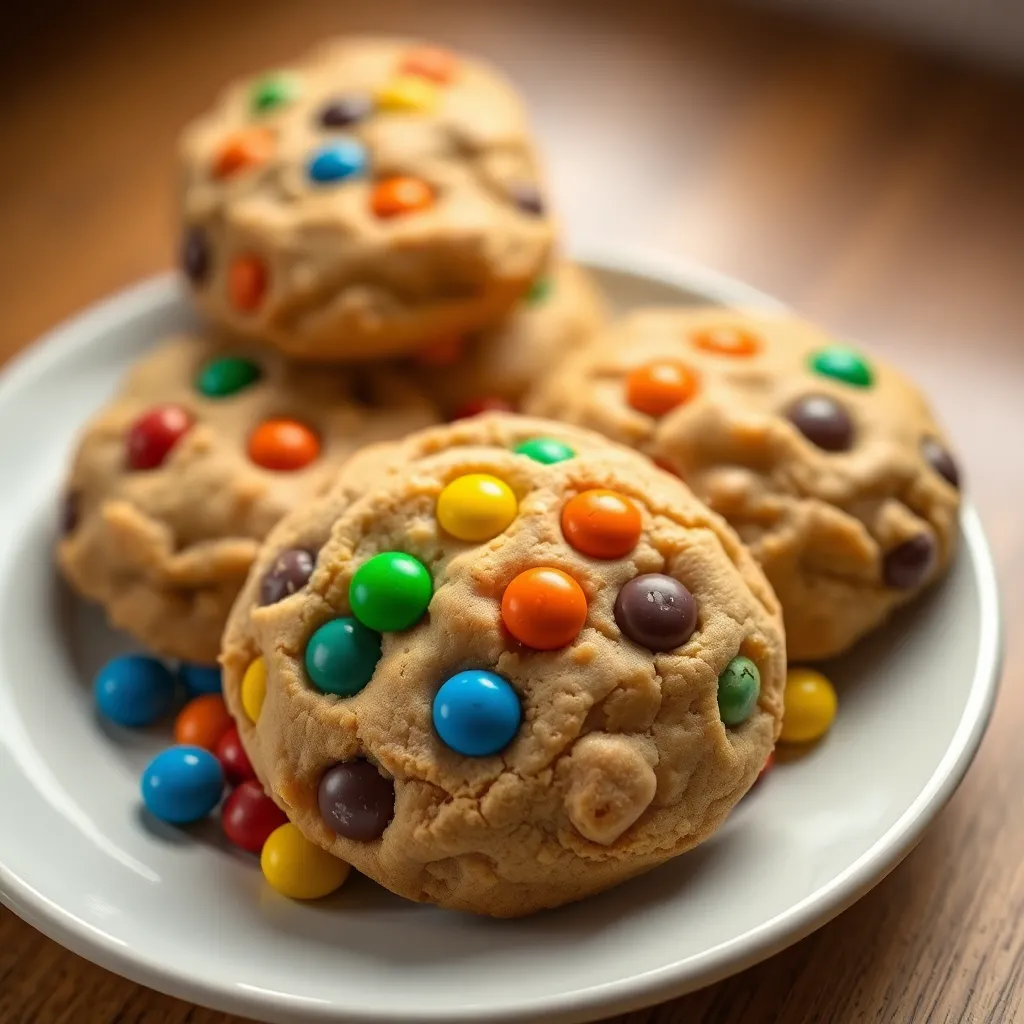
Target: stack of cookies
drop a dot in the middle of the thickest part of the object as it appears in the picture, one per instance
(496, 662)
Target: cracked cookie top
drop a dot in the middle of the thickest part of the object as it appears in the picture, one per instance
(367, 201)
(519, 664)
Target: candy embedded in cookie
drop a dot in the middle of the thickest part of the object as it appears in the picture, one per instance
(176, 482)
(828, 463)
(376, 195)
(525, 665)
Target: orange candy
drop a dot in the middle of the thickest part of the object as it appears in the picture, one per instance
(429, 62)
(727, 341)
(441, 351)
(242, 150)
(602, 524)
(283, 445)
(202, 722)
(395, 196)
(544, 608)
(657, 388)
(247, 283)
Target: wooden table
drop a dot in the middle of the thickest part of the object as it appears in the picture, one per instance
(879, 190)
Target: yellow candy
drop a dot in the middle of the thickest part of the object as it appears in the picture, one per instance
(299, 869)
(476, 507)
(254, 688)
(810, 706)
(408, 93)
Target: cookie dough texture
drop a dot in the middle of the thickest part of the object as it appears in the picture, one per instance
(341, 282)
(563, 311)
(166, 550)
(621, 761)
(821, 523)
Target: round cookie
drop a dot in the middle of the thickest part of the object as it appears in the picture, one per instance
(177, 481)
(829, 464)
(562, 310)
(374, 197)
(499, 690)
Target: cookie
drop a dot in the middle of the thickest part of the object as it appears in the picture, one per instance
(526, 666)
(827, 462)
(495, 368)
(374, 197)
(177, 481)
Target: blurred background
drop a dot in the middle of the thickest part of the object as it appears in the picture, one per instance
(863, 160)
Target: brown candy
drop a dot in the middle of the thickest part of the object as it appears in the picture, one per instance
(938, 457)
(656, 611)
(355, 800)
(909, 564)
(823, 421)
(288, 574)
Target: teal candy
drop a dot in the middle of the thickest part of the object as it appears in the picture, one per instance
(738, 689)
(390, 592)
(227, 376)
(545, 450)
(843, 364)
(341, 656)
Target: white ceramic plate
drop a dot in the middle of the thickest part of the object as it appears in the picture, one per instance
(186, 914)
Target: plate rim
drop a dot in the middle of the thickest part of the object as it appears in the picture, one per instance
(623, 995)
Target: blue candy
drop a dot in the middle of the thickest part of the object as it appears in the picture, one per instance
(133, 690)
(336, 161)
(200, 679)
(182, 784)
(476, 713)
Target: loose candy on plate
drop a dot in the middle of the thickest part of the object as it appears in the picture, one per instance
(200, 679)
(133, 690)
(249, 816)
(233, 758)
(810, 706)
(182, 784)
(299, 869)
(202, 722)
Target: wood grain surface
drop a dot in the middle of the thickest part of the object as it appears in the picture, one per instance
(879, 190)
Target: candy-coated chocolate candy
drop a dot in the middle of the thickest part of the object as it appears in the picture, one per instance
(393, 197)
(478, 406)
(390, 592)
(843, 364)
(539, 291)
(909, 564)
(337, 161)
(544, 608)
(738, 689)
(182, 784)
(656, 612)
(938, 457)
(602, 524)
(441, 351)
(411, 94)
(69, 512)
(133, 690)
(345, 110)
(823, 421)
(476, 507)
(355, 800)
(287, 575)
(254, 688)
(545, 450)
(202, 722)
(341, 656)
(273, 91)
(431, 62)
(195, 255)
(247, 283)
(152, 436)
(243, 150)
(249, 816)
(476, 713)
(527, 198)
(727, 341)
(283, 445)
(658, 387)
(233, 759)
(200, 679)
(299, 869)
(810, 706)
(227, 376)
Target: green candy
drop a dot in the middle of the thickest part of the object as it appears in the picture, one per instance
(226, 376)
(390, 592)
(273, 91)
(545, 450)
(843, 364)
(539, 291)
(341, 656)
(738, 689)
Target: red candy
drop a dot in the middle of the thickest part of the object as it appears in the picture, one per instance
(152, 436)
(476, 406)
(249, 816)
(233, 758)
